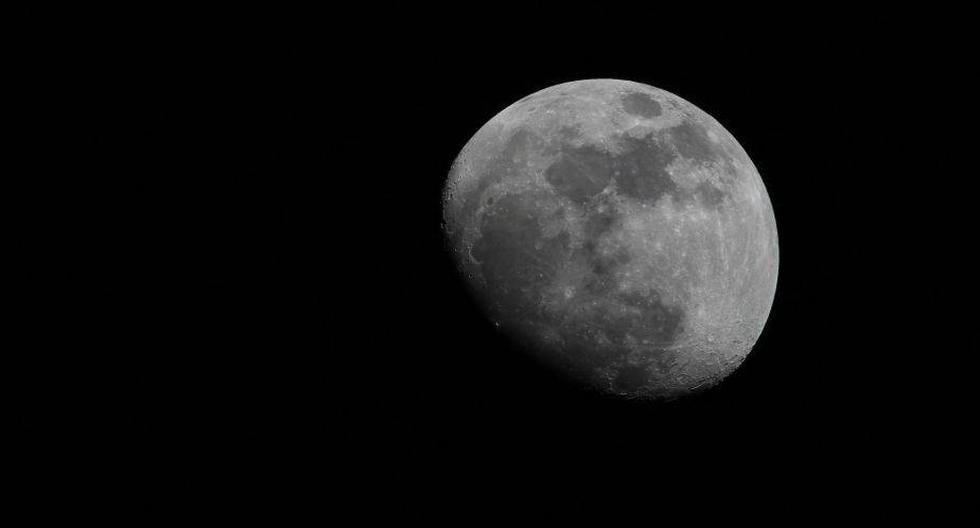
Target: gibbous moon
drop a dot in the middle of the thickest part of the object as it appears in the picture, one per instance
(619, 234)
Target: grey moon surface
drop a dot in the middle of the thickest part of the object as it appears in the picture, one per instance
(619, 234)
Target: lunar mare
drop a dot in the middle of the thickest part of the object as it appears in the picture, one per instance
(617, 232)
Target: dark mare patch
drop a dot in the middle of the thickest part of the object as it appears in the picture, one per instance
(641, 169)
(579, 173)
(657, 322)
(582, 349)
(601, 279)
(599, 223)
(567, 133)
(606, 264)
(692, 142)
(631, 377)
(710, 195)
(514, 256)
(641, 104)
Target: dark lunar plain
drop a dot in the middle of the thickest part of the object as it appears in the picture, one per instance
(303, 341)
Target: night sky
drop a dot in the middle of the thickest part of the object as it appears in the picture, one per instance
(305, 339)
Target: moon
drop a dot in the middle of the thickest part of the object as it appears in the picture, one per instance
(619, 234)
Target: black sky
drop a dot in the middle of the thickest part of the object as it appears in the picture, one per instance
(303, 336)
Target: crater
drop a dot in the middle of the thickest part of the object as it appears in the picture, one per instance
(641, 104)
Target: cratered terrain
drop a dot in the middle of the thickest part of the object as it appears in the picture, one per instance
(619, 234)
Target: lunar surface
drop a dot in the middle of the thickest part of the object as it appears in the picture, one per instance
(619, 234)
